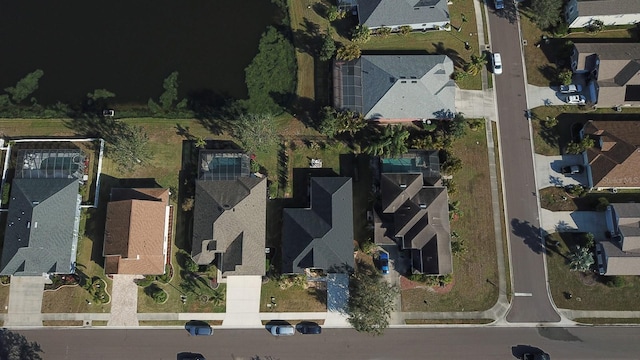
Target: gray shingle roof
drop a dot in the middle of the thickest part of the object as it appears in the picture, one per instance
(42, 227)
(619, 262)
(390, 13)
(404, 86)
(230, 224)
(608, 7)
(420, 220)
(320, 236)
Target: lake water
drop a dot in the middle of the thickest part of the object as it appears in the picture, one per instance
(129, 47)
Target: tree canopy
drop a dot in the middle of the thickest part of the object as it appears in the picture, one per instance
(256, 132)
(25, 86)
(170, 94)
(371, 301)
(546, 13)
(581, 259)
(128, 146)
(392, 142)
(14, 346)
(328, 48)
(271, 76)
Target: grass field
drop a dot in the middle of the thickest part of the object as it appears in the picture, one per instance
(294, 298)
(607, 321)
(476, 271)
(589, 291)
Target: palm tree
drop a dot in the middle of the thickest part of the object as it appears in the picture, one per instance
(581, 259)
(477, 63)
(391, 142)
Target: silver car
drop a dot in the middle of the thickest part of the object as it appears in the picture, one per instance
(570, 89)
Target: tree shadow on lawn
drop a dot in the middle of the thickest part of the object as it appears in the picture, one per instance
(308, 38)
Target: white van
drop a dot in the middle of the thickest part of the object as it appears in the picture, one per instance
(497, 63)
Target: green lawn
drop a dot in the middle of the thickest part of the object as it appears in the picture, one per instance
(589, 291)
(476, 272)
(292, 299)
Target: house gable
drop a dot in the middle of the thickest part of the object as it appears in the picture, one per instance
(230, 221)
(42, 227)
(320, 236)
(136, 228)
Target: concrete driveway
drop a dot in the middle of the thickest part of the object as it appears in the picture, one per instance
(543, 96)
(548, 171)
(570, 221)
(124, 301)
(243, 301)
(25, 301)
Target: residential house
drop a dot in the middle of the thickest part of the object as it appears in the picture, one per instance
(396, 87)
(415, 216)
(581, 13)
(611, 72)
(41, 236)
(620, 254)
(136, 236)
(229, 225)
(320, 236)
(418, 14)
(614, 161)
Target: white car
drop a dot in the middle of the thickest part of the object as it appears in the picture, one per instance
(570, 89)
(496, 61)
(576, 99)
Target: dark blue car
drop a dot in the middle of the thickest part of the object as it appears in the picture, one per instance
(499, 4)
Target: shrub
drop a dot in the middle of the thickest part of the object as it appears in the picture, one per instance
(405, 29)
(602, 204)
(6, 189)
(459, 75)
(616, 282)
(360, 34)
(383, 31)
(595, 26)
(164, 278)
(190, 265)
(565, 77)
(146, 281)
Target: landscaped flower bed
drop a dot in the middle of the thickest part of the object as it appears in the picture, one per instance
(62, 280)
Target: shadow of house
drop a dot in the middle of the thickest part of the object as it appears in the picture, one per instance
(620, 254)
(320, 236)
(43, 220)
(398, 88)
(229, 225)
(136, 237)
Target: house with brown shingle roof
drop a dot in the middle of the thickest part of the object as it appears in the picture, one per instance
(611, 72)
(614, 161)
(620, 254)
(136, 232)
(416, 217)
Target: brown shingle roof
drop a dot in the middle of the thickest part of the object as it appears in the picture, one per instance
(135, 231)
(616, 164)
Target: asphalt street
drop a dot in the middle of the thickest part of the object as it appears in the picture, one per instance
(531, 302)
(445, 343)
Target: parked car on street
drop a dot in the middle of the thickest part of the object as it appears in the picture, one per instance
(282, 330)
(383, 258)
(572, 169)
(309, 328)
(536, 356)
(570, 89)
(198, 328)
(496, 62)
(576, 99)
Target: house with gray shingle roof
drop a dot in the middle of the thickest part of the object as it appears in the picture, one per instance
(229, 225)
(320, 236)
(611, 70)
(614, 161)
(396, 87)
(419, 14)
(620, 254)
(41, 236)
(581, 13)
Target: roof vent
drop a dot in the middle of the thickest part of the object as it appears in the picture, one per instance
(414, 82)
(403, 185)
(226, 206)
(35, 202)
(423, 206)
